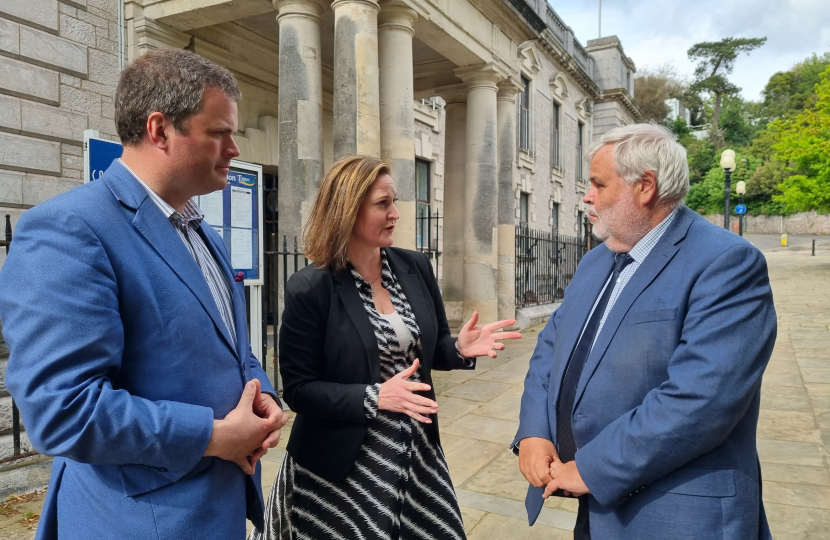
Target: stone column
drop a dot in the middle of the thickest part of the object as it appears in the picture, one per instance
(455, 165)
(300, 111)
(481, 193)
(356, 101)
(397, 118)
(506, 126)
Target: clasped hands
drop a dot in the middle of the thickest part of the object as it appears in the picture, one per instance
(540, 465)
(249, 431)
(398, 393)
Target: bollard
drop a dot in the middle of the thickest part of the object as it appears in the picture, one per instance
(814, 247)
(784, 239)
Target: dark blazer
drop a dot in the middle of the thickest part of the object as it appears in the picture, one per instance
(667, 405)
(328, 354)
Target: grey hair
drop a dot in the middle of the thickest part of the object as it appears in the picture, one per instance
(171, 82)
(641, 147)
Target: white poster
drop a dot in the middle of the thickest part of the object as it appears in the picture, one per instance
(241, 215)
(241, 251)
(212, 208)
(219, 231)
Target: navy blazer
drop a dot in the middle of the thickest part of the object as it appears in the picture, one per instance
(329, 354)
(120, 362)
(666, 408)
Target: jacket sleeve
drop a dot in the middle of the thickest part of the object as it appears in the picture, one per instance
(533, 414)
(302, 359)
(60, 303)
(446, 356)
(714, 375)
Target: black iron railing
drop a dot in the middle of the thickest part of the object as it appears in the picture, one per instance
(546, 263)
(427, 229)
(16, 428)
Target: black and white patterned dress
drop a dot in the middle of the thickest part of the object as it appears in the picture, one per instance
(400, 487)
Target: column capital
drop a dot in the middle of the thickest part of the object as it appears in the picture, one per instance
(452, 94)
(308, 9)
(508, 88)
(482, 75)
(372, 4)
(396, 14)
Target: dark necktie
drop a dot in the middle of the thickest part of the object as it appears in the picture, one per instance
(567, 393)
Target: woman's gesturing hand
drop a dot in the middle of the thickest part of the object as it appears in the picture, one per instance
(397, 395)
(476, 340)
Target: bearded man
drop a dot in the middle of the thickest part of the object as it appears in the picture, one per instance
(643, 392)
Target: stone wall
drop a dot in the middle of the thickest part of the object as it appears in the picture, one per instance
(535, 172)
(801, 223)
(430, 135)
(58, 71)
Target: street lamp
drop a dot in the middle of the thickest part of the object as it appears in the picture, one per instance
(727, 163)
(740, 189)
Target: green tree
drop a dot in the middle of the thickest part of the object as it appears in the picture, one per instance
(804, 144)
(652, 87)
(794, 90)
(716, 59)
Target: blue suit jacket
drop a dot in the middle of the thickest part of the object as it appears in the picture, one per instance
(120, 362)
(666, 408)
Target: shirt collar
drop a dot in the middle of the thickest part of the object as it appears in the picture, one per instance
(642, 248)
(191, 214)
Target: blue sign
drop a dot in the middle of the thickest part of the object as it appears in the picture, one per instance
(740, 209)
(101, 154)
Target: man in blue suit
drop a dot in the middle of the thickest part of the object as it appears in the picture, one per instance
(643, 392)
(130, 359)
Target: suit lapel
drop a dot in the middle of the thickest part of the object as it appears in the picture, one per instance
(157, 230)
(651, 267)
(347, 291)
(582, 295)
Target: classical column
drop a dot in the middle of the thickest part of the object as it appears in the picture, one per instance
(481, 193)
(356, 107)
(397, 118)
(506, 126)
(300, 111)
(455, 165)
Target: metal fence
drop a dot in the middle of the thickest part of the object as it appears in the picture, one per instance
(279, 265)
(16, 428)
(427, 229)
(545, 264)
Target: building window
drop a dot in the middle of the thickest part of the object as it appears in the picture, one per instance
(524, 117)
(554, 217)
(580, 130)
(580, 225)
(554, 138)
(422, 226)
(524, 203)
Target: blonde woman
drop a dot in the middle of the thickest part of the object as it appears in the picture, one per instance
(361, 331)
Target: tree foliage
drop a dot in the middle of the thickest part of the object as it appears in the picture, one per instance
(794, 90)
(652, 87)
(716, 59)
(803, 143)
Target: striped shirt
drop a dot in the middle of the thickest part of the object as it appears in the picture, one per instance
(186, 225)
(639, 253)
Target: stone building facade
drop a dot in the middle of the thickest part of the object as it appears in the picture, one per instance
(492, 101)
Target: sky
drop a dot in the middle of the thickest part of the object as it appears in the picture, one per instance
(658, 32)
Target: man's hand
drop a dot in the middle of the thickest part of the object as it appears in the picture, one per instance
(240, 435)
(565, 476)
(535, 456)
(266, 407)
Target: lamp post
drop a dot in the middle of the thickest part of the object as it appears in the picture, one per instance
(727, 163)
(740, 189)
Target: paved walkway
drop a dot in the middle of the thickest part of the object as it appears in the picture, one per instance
(479, 416)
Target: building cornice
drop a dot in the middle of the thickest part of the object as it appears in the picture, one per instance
(621, 95)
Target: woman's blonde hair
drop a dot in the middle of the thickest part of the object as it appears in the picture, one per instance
(334, 211)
